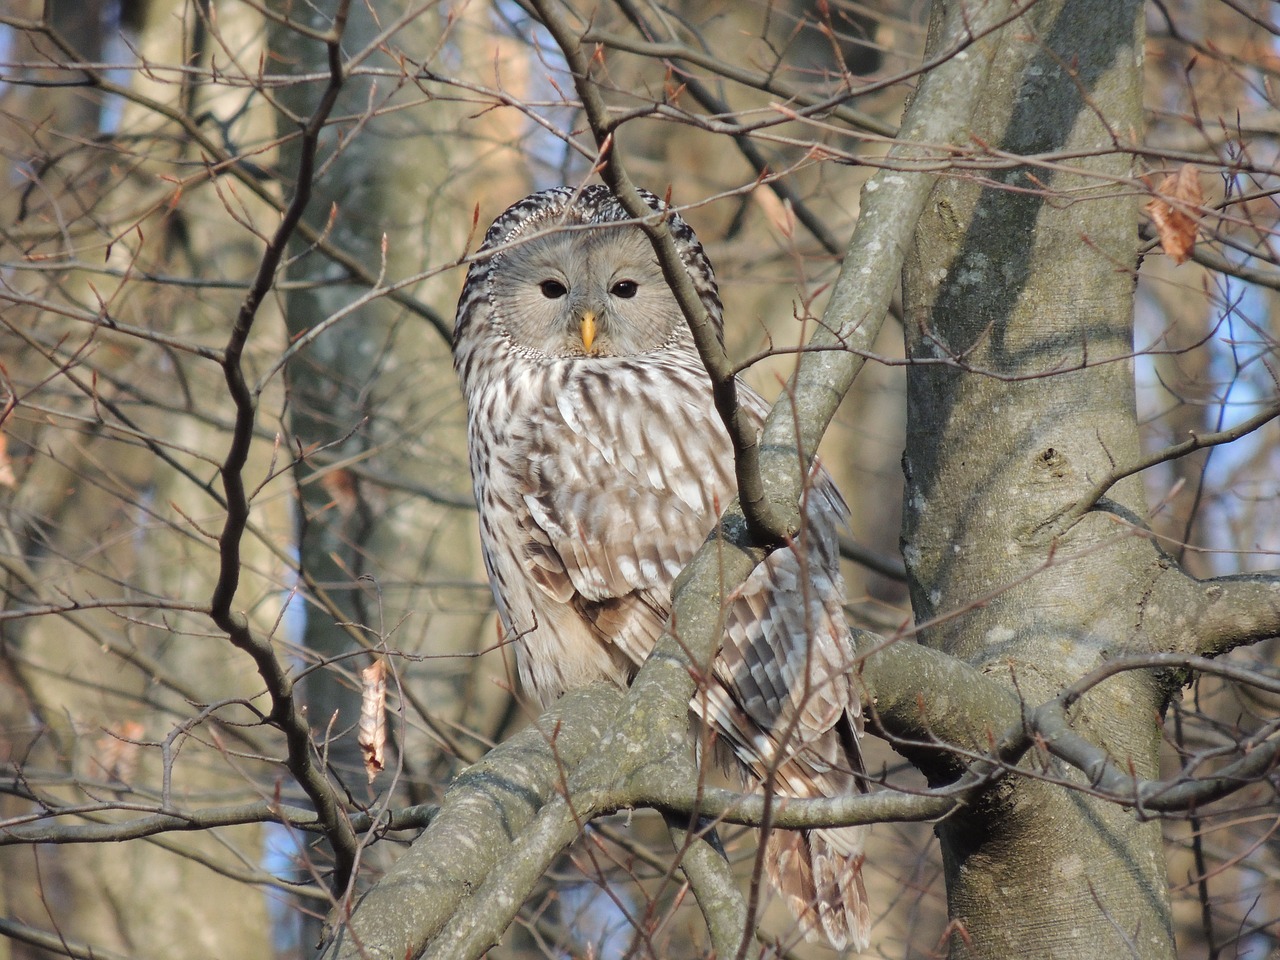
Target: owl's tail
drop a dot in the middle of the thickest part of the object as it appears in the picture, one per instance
(819, 872)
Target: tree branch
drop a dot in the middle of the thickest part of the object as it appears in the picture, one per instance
(56, 943)
(721, 902)
(765, 526)
(35, 828)
(488, 806)
(1061, 522)
(782, 189)
(285, 710)
(1150, 796)
(1211, 617)
(1051, 723)
(892, 201)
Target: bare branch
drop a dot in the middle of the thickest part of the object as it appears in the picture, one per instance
(765, 527)
(285, 710)
(1060, 523)
(56, 943)
(487, 808)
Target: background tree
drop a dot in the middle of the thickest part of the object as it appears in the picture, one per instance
(234, 474)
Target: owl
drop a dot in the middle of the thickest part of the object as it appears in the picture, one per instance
(600, 464)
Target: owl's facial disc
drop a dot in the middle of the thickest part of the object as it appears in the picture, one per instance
(596, 293)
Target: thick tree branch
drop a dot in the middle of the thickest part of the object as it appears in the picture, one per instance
(892, 201)
(967, 722)
(1211, 617)
(709, 875)
(645, 754)
(487, 807)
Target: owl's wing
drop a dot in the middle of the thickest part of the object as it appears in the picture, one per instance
(626, 470)
(786, 703)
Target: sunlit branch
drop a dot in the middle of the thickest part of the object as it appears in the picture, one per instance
(763, 524)
(286, 712)
(44, 828)
(489, 806)
(1061, 522)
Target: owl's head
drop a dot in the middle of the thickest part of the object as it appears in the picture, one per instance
(567, 276)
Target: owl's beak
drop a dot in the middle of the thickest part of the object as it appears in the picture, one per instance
(588, 329)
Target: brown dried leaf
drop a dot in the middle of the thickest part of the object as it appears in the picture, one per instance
(1175, 211)
(340, 485)
(117, 750)
(7, 478)
(373, 717)
(779, 212)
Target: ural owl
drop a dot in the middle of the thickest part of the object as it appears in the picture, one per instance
(600, 464)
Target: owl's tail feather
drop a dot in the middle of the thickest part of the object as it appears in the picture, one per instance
(819, 872)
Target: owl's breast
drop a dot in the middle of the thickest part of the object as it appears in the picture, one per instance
(628, 438)
(597, 480)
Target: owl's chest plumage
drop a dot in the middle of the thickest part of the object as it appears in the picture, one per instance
(597, 479)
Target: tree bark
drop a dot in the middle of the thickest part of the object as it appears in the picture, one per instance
(1022, 392)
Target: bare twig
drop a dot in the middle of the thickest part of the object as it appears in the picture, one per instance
(1061, 522)
(761, 521)
(286, 712)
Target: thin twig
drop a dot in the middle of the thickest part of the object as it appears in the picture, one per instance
(286, 712)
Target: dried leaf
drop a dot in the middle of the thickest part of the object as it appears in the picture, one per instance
(779, 212)
(1175, 211)
(373, 717)
(7, 478)
(340, 485)
(117, 750)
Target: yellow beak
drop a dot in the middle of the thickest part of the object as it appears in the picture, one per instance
(588, 327)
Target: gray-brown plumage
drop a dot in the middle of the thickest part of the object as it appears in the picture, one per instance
(600, 465)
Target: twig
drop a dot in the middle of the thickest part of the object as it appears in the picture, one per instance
(1059, 523)
(766, 528)
(285, 710)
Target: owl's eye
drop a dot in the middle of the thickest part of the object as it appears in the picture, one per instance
(553, 289)
(626, 289)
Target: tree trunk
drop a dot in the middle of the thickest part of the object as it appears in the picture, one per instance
(1022, 398)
